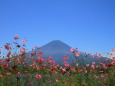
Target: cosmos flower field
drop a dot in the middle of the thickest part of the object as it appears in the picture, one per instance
(18, 70)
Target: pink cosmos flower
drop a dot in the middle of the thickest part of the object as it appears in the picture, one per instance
(57, 65)
(40, 58)
(22, 51)
(8, 74)
(113, 61)
(95, 76)
(27, 74)
(18, 74)
(78, 53)
(53, 62)
(76, 64)
(1, 61)
(8, 54)
(104, 65)
(16, 37)
(64, 62)
(65, 58)
(93, 66)
(5, 65)
(7, 47)
(30, 83)
(1, 75)
(100, 56)
(49, 81)
(73, 69)
(37, 47)
(40, 53)
(87, 65)
(50, 57)
(102, 75)
(72, 50)
(93, 63)
(63, 69)
(67, 64)
(23, 41)
(18, 57)
(49, 61)
(32, 54)
(38, 76)
(109, 64)
(97, 66)
(113, 49)
(57, 80)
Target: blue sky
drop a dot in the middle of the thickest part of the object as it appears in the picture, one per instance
(85, 24)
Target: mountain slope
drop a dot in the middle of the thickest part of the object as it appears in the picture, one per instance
(57, 49)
